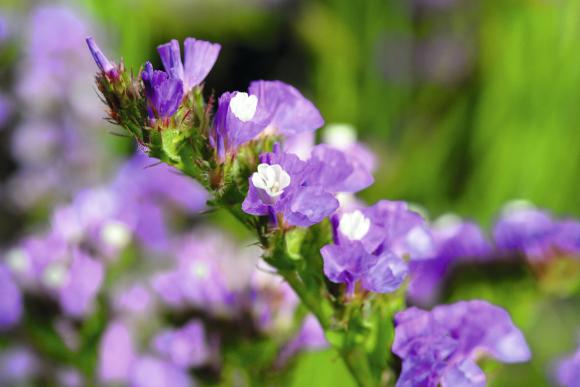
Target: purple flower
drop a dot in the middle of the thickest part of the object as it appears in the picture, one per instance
(10, 300)
(116, 354)
(83, 282)
(284, 184)
(370, 244)
(441, 346)
(454, 239)
(150, 371)
(567, 238)
(290, 113)
(200, 57)
(523, 228)
(164, 93)
(270, 106)
(185, 347)
(100, 59)
(568, 370)
(18, 365)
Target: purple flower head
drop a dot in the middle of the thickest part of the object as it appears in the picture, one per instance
(82, 284)
(164, 93)
(455, 239)
(270, 106)
(10, 300)
(290, 113)
(100, 59)
(185, 347)
(523, 228)
(568, 370)
(284, 184)
(567, 238)
(200, 57)
(18, 366)
(440, 347)
(370, 244)
(116, 354)
(239, 118)
(150, 371)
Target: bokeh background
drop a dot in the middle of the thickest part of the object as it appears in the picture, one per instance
(468, 105)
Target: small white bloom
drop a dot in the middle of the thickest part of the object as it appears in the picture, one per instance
(272, 179)
(354, 225)
(199, 270)
(244, 106)
(18, 260)
(116, 234)
(55, 275)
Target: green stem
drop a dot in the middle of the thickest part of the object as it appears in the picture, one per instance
(313, 303)
(356, 360)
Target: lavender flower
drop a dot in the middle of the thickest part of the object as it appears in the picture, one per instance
(18, 366)
(369, 245)
(164, 93)
(200, 57)
(522, 228)
(272, 107)
(309, 337)
(116, 353)
(454, 239)
(10, 300)
(100, 59)
(290, 113)
(568, 370)
(289, 186)
(185, 347)
(150, 371)
(83, 282)
(441, 346)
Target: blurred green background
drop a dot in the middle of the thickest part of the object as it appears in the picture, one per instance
(468, 104)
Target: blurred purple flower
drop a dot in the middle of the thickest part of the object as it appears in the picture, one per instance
(116, 354)
(185, 347)
(150, 371)
(199, 58)
(568, 370)
(441, 346)
(18, 365)
(83, 282)
(310, 337)
(454, 240)
(10, 300)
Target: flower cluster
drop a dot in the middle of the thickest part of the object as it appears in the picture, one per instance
(257, 159)
(440, 347)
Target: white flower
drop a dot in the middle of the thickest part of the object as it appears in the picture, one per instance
(244, 106)
(272, 179)
(354, 225)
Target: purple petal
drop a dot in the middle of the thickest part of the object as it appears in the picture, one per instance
(171, 58)
(346, 263)
(116, 354)
(466, 374)
(100, 58)
(153, 372)
(200, 57)
(387, 275)
(185, 347)
(291, 113)
(308, 206)
(84, 281)
(10, 300)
